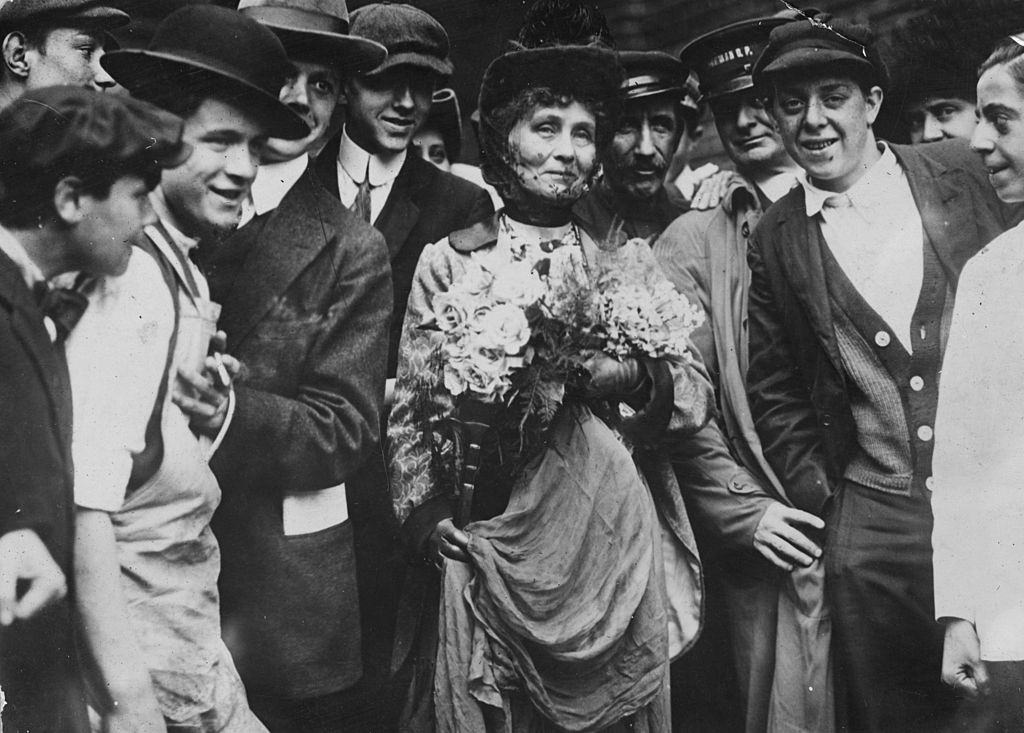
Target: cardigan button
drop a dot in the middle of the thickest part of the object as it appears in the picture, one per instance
(882, 338)
(925, 433)
(929, 483)
(916, 383)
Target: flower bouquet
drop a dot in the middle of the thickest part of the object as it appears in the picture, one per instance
(518, 323)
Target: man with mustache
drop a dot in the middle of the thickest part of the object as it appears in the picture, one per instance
(853, 278)
(761, 563)
(658, 106)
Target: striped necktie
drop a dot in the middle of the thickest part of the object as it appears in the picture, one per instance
(361, 205)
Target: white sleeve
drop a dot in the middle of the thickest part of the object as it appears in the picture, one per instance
(116, 359)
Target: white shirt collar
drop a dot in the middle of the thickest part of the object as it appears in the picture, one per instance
(274, 180)
(873, 188)
(11, 247)
(181, 240)
(353, 160)
(779, 185)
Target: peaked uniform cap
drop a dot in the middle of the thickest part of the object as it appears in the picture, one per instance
(723, 59)
(316, 30)
(92, 12)
(652, 73)
(202, 46)
(411, 36)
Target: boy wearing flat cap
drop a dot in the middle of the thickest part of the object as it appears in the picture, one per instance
(75, 169)
(652, 119)
(750, 527)
(48, 42)
(367, 165)
(853, 278)
(147, 561)
(305, 290)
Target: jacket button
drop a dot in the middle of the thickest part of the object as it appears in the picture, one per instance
(924, 433)
(882, 339)
(916, 383)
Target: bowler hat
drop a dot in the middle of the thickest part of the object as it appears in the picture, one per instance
(316, 29)
(411, 36)
(91, 12)
(820, 41)
(66, 130)
(583, 71)
(146, 16)
(202, 46)
(724, 58)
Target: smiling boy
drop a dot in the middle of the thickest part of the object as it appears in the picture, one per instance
(853, 278)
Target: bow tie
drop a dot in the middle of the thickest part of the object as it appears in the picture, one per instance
(63, 306)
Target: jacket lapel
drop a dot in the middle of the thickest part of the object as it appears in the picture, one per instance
(400, 213)
(939, 192)
(799, 249)
(326, 166)
(290, 241)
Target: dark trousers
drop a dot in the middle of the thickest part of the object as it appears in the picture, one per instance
(887, 644)
(1002, 710)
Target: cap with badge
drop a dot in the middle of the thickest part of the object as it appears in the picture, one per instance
(723, 59)
(90, 12)
(820, 41)
(654, 74)
(51, 130)
(411, 36)
(316, 29)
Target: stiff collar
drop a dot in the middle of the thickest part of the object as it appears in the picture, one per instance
(274, 181)
(874, 188)
(11, 247)
(184, 242)
(354, 160)
(777, 186)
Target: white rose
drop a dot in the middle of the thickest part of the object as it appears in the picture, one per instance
(504, 327)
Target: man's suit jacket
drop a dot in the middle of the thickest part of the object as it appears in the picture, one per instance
(306, 314)
(37, 671)
(425, 206)
(798, 392)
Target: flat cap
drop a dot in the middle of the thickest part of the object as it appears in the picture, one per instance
(411, 36)
(820, 41)
(93, 12)
(70, 129)
(724, 58)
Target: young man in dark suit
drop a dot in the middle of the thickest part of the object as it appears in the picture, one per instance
(407, 199)
(305, 291)
(854, 274)
(75, 169)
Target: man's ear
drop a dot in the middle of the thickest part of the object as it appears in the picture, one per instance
(67, 200)
(873, 99)
(15, 50)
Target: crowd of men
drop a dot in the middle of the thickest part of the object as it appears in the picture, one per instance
(202, 284)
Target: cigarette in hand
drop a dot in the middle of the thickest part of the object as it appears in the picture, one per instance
(221, 373)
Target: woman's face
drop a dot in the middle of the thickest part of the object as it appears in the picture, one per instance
(999, 136)
(553, 151)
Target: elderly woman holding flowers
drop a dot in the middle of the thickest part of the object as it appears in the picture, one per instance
(543, 372)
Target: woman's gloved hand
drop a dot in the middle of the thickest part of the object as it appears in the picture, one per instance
(611, 376)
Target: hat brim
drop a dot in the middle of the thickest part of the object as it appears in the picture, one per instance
(347, 53)
(441, 67)
(143, 72)
(583, 71)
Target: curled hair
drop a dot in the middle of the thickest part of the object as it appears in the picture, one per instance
(564, 22)
(1010, 53)
(498, 159)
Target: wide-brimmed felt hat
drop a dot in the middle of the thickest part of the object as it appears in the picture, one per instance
(591, 71)
(317, 29)
(207, 46)
(817, 42)
(411, 36)
(723, 58)
(91, 12)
